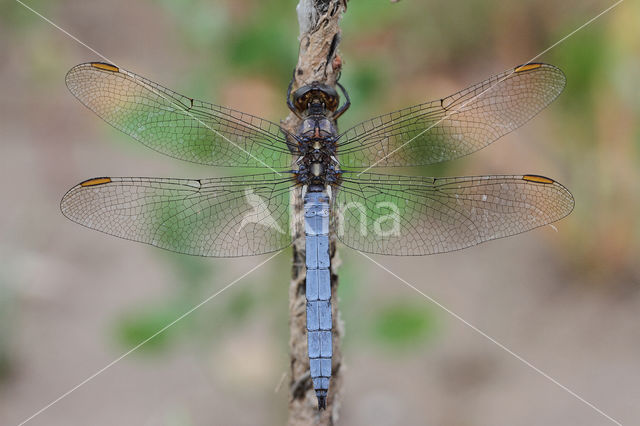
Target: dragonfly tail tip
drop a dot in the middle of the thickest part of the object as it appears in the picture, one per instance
(322, 402)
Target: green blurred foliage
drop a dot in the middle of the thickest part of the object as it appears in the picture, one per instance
(144, 323)
(241, 304)
(398, 325)
(366, 85)
(402, 325)
(584, 62)
(262, 46)
(191, 275)
(192, 271)
(258, 44)
(203, 23)
(20, 19)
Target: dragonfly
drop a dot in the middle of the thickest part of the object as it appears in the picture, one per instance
(329, 170)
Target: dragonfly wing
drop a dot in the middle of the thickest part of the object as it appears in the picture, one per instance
(176, 125)
(219, 217)
(455, 126)
(400, 215)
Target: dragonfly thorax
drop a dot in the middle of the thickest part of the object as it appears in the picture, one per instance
(316, 128)
(317, 163)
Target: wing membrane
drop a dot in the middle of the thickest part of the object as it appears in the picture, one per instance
(455, 126)
(176, 125)
(220, 217)
(398, 215)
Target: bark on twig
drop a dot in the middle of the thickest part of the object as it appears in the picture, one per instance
(318, 60)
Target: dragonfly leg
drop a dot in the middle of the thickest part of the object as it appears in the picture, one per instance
(289, 89)
(345, 106)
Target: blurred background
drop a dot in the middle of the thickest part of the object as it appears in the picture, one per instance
(567, 300)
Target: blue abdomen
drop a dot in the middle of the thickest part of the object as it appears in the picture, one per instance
(318, 291)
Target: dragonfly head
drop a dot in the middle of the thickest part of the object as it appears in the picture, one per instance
(315, 99)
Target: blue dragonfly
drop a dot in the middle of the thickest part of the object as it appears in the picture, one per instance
(374, 213)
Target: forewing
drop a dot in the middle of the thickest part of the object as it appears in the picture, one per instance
(399, 215)
(220, 217)
(455, 126)
(178, 126)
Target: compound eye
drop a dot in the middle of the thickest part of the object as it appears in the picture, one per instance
(331, 102)
(301, 98)
(301, 102)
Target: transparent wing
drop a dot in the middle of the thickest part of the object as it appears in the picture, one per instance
(220, 217)
(176, 125)
(399, 215)
(455, 126)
